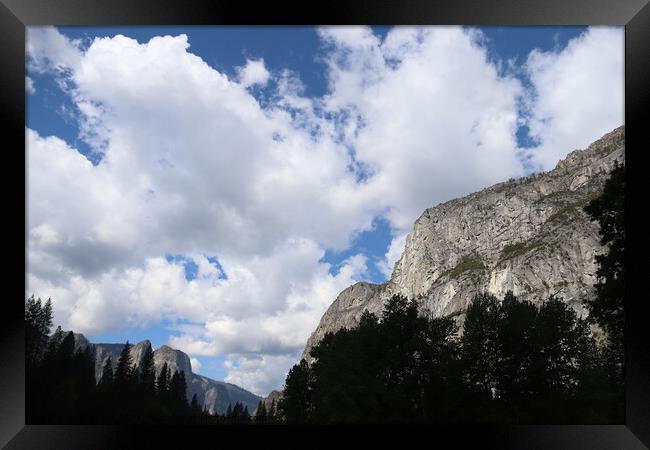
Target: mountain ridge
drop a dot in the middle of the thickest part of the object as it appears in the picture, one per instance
(529, 235)
(213, 394)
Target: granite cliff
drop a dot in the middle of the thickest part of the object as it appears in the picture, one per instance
(528, 235)
(215, 395)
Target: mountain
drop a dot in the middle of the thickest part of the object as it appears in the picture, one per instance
(528, 235)
(271, 401)
(215, 395)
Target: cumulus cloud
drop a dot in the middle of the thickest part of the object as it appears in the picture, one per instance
(433, 119)
(29, 86)
(261, 373)
(254, 72)
(48, 49)
(395, 250)
(192, 165)
(579, 93)
(196, 365)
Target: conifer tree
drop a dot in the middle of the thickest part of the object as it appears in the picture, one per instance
(148, 372)
(608, 209)
(194, 405)
(124, 371)
(607, 309)
(297, 403)
(480, 344)
(38, 321)
(162, 384)
(106, 381)
(261, 415)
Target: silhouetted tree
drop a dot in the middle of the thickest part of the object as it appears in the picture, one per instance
(608, 209)
(162, 384)
(480, 345)
(297, 403)
(607, 309)
(124, 371)
(261, 415)
(38, 321)
(148, 372)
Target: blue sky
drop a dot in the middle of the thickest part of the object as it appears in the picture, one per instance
(240, 177)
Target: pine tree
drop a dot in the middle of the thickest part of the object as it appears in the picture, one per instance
(124, 372)
(178, 393)
(162, 384)
(182, 391)
(297, 403)
(517, 346)
(261, 415)
(106, 381)
(148, 372)
(480, 344)
(608, 210)
(38, 321)
(607, 309)
(194, 405)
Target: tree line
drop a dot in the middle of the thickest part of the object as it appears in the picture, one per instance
(515, 362)
(61, 388)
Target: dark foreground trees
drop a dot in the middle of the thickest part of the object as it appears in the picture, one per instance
(61, 388)
(515, 363)
(607, 308)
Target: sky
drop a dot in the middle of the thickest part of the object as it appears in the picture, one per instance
(215, 188)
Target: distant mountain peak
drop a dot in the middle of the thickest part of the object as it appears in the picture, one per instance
(213, 394)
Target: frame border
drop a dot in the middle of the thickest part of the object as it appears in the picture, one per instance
(16, 15)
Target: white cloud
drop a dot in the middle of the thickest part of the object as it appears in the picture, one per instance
(196, 365)
(260, 373)
(579, 93)
(434, 120)
(29, 86)
(258, 311)
(193, 165)
(49, 49)
(394, 253)
(254, 72)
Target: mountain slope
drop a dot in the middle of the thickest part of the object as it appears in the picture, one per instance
(213, 394)
(529, 235)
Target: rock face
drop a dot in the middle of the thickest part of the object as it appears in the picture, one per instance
(176, 360)
(529, 235)
(211, 394)
(217, 395)
(271, 401)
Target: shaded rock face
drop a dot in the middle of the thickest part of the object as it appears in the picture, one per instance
(529, 236)
(176, 360)
(215, 396)
(271, 401)
(104, 351)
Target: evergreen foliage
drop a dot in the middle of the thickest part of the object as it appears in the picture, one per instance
(515, 363)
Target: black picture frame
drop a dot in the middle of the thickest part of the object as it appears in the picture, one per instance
(15, 15)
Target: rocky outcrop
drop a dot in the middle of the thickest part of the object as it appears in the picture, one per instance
(104, 351)
(176, 360)
(213, 395)
(529, 235)
(271, 401)
(217, 395)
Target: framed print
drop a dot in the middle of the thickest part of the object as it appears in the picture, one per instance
(392, 218)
